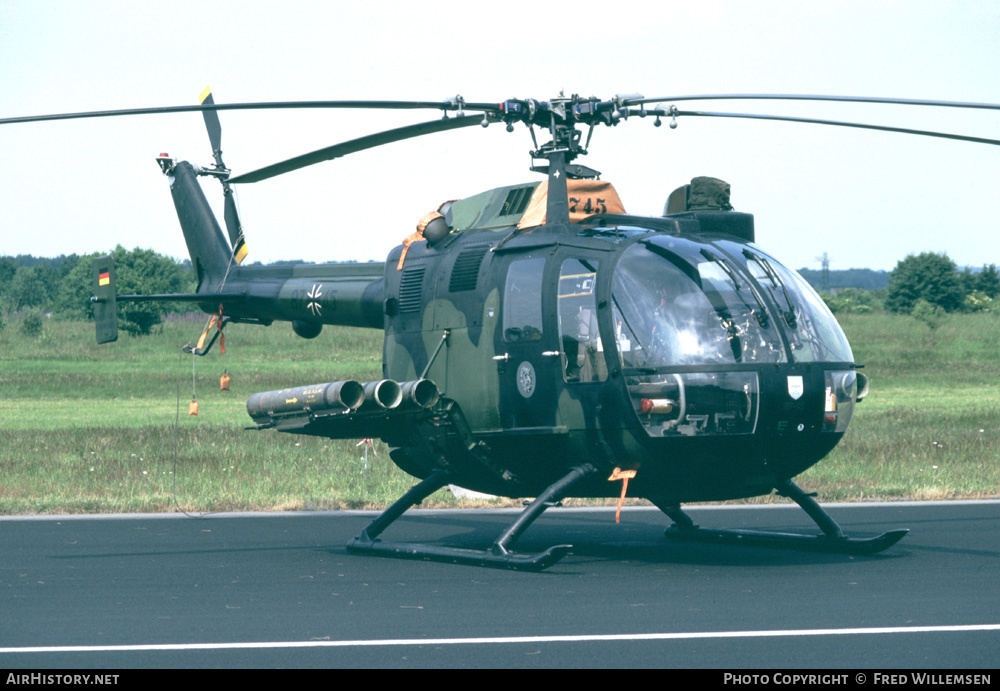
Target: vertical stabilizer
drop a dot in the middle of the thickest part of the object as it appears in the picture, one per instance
(210, 253)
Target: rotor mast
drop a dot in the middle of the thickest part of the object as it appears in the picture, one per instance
(560, 117)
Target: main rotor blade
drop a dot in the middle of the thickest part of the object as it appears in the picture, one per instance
(814, 97)
(359, 144)
(813, 121)
(481, 107)
(272, 105)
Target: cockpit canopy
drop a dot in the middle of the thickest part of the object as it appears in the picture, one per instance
(679, 302)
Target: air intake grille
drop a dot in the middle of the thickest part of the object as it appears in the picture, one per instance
(516, 201)
(465, 273)
(410, 288)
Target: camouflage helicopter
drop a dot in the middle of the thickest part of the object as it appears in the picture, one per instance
(541, 342)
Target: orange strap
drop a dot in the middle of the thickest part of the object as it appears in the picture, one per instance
(217, 321)
(415, 236)
(201, 341)
(624, 476)
(425, 221)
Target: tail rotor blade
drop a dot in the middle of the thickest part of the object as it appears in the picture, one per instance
(212, 124)
(233, 225)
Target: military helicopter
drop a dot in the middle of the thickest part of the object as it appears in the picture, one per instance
(540, 341)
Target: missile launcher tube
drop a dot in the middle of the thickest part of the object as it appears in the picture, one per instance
(384, 394)
(333, 396)
(348, 401)
(420, 392)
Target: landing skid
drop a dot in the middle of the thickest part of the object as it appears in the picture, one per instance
(499, 555)
(832, 540)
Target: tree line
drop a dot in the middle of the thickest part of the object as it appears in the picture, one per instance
(31, 287)
(926, 285)
(836, 279)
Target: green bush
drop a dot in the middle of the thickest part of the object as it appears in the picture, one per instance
(852, 301)
(31, 323)
(977, 301)
(927, 276)
(931, 315)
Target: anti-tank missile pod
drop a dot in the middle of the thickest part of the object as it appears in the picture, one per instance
(343, 409)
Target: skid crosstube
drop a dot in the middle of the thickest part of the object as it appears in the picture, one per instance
(499, 555)
(833, 538)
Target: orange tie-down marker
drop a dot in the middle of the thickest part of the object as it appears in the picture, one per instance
(624, 476)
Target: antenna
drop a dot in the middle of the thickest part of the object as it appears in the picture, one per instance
(825, 264)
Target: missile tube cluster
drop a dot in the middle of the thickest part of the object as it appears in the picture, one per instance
(345, 397)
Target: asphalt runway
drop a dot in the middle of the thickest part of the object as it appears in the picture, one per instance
(280, 590)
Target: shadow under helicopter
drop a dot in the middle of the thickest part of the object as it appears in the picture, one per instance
(639, 539)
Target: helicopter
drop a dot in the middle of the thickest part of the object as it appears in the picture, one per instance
(541, 342)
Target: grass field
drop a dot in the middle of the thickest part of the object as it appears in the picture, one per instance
(85, 428)
(930, 428)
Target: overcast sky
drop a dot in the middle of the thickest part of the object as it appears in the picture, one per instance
(867, 199)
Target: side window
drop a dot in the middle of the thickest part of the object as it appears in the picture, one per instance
(582, 352)
(522, 300)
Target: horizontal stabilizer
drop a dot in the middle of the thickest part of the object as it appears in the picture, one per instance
(182, 297)
(106, 302)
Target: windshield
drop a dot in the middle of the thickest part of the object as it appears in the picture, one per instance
(813, 333)
(678, 303)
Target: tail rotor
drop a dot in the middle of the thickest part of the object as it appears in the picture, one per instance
(233, 225)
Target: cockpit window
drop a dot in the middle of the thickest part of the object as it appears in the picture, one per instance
(582, 351)
(813, 332)
(678, 303)
(522, 304)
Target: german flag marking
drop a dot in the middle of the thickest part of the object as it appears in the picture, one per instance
(104, 279)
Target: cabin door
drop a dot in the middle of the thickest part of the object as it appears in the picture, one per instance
(527, 345)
